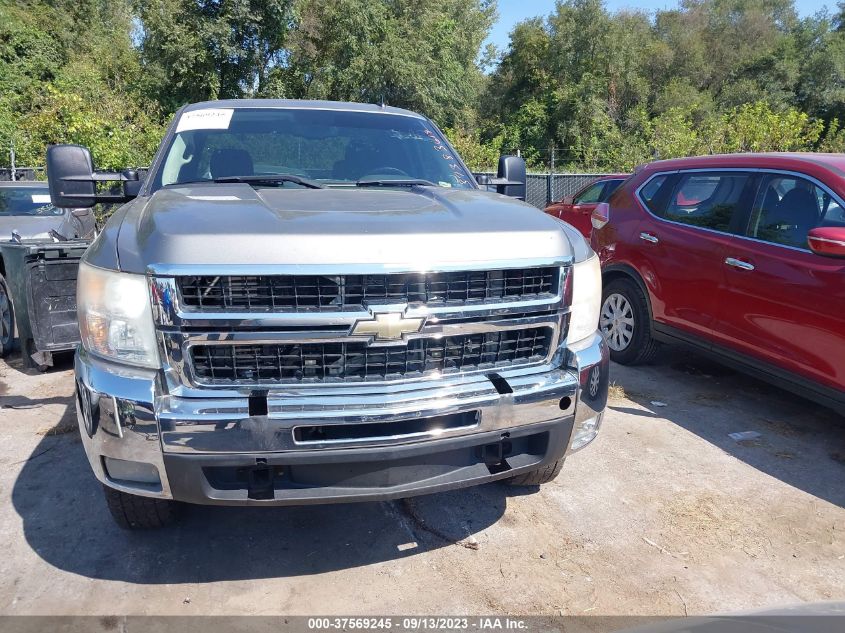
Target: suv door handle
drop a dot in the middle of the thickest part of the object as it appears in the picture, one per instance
(738, 263)
(648, 237)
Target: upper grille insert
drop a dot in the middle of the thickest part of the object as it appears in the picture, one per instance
(303, 293)
(357, 361)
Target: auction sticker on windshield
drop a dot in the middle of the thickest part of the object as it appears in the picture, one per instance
(208, 119)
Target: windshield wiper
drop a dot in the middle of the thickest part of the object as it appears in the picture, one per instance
(270, 178)
(398, 182)
(253, 180)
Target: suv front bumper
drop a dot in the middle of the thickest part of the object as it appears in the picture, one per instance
(221, 450)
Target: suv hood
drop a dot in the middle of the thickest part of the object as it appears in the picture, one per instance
(223, 225)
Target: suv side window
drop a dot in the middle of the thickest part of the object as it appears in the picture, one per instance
(589, 195)
(609, 187)
(711, 200)
(649, 193)
(788, 206)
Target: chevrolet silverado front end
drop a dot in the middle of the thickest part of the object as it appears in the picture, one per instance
(362, 325)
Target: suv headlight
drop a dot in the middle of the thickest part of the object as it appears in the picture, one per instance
(115, 316)
(586, 299)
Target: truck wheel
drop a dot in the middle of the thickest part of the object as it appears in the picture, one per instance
(132, 512)
(7, 319)
(626, 323)
(536, 477)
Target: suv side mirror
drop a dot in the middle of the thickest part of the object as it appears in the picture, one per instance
(73, 180)
(600, 215)
(511, 177)
(827, 240)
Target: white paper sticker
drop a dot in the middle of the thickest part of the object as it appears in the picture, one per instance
(41, 198)
(209, 119)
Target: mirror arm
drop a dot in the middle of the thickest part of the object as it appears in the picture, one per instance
(504, 181)
(104, 176)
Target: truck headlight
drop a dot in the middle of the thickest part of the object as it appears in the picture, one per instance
(115, 316)
(586, 299)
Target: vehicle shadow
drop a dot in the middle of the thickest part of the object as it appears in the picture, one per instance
(800, 443)
(66, 522)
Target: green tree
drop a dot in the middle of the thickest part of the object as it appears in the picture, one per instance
(194, 50)
(69, 73)
(417, 55)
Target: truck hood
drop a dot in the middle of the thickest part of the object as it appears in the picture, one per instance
(221, 225)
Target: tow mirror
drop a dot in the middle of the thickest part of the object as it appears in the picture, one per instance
(511, 177)
(827, 240)
(132, 186)
(73, 180)
(600, 215)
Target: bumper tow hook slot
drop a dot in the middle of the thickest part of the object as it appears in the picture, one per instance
(260, 481)
(494, 455)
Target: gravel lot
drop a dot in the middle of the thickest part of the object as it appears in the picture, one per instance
(663, 514)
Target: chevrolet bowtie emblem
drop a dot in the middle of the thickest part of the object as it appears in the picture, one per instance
(387, 326)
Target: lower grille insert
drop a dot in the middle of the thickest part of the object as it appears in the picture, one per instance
(358, 361)
(384, 430)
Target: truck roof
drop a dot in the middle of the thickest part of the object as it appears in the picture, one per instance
(302, 104)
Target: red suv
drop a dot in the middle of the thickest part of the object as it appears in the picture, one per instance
(577, 209)
(742, 256)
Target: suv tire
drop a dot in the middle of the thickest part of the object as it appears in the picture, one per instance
(536, 477)
(7, 319)
(625, 322)
(132, 512)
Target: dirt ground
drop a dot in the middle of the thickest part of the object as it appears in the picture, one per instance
(663, 514)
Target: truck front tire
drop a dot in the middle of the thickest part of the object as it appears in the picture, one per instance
(7, 319)
(132, 512)
(536, 477)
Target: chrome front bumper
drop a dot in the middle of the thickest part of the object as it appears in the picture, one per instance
(181, 445)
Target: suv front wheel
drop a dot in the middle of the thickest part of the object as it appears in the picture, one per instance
(626, 324)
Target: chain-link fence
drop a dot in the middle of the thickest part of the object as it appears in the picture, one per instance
(22, 173)
(543, 189)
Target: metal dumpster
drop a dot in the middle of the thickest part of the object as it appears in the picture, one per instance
(41, 278)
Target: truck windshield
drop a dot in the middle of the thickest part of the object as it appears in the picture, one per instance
(330, 147)
(26, 201)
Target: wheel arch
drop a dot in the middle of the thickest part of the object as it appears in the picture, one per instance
(623, 271)
(14, 331)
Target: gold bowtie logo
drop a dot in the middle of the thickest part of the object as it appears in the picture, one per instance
(387, 326)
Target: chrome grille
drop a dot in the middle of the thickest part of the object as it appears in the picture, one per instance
(357, 361)
(306, 293)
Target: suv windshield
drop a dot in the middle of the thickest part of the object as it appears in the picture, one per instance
(26, 201)
(325, 146)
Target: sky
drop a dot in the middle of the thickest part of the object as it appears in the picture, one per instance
(513, 11)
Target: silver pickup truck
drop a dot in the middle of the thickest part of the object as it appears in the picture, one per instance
(313, 302)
